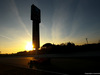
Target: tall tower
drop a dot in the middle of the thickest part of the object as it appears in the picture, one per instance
(35, 17)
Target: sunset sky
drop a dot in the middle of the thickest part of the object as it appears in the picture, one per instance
(61, 21)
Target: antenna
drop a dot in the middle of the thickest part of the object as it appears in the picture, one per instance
(87, 40)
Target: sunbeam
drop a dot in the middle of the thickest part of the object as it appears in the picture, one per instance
(6, 37)
(19, 18)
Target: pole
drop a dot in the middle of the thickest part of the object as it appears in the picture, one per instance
(87, 40)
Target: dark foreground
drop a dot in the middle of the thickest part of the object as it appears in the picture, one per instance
(12, 70)
(62, 66)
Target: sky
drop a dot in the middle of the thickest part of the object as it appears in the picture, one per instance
(61, 21)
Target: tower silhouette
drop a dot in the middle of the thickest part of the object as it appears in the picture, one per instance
(35, 17)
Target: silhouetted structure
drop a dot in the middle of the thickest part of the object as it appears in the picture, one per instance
(87, 40)
(35, 17)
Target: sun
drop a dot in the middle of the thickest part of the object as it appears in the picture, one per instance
(29, 46)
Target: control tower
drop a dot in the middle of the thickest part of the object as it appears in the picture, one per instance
(35, 17)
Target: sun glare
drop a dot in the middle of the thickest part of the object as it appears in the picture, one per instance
(29, 46)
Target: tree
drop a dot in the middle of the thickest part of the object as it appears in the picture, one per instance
(69, 44)
(47, 46)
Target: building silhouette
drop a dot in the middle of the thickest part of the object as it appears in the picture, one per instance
(35, 17)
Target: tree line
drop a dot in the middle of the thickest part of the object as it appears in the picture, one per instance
(63, 48)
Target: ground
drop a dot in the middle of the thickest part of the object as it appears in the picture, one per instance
(12, 70)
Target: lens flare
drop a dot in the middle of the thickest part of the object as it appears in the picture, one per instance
(29, 46)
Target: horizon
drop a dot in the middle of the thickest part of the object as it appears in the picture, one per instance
(61, 21)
